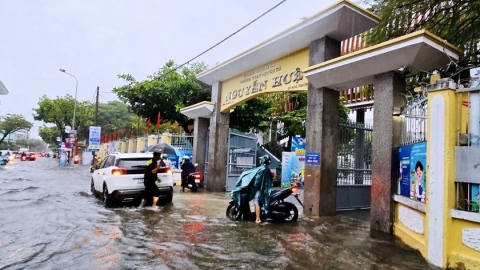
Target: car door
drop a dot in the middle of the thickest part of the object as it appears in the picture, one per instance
(98, 175)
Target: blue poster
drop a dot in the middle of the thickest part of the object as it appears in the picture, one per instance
(475, 197)
(418, 168)
(312, 158)
(63, 158)
(286, 181)
(94, 138)
(297, 160)
(403, 184)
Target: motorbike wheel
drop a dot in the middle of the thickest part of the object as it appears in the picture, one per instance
(233, 213)
(291, 212)
(194, 187)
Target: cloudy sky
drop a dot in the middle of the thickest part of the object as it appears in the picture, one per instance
(96, 40)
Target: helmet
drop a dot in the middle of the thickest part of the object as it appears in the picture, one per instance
(186, 158)
(266, 160)
(164, 156)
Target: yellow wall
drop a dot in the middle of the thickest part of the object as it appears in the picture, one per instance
(459, 254)
(277, 76)
(140, 144)
(413, 239)
(124, 147)
(130, 145)
(152, 140)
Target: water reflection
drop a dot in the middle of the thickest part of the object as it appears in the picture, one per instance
(49, 220)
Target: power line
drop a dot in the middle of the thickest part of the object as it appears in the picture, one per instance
(218, 43)
(225, 39)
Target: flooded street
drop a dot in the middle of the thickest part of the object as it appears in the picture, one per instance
(49, 220)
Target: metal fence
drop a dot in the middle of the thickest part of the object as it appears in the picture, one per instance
(242, 155)
(354, 154)
(414, 118)
(182, 141)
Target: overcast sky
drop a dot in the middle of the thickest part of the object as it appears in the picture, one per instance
(96, 40)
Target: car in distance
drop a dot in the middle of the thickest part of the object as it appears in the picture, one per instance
(119, 179)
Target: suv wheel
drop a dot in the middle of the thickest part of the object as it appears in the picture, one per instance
(92, 188)
(107, 199)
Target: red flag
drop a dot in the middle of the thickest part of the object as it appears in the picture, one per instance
(158, 121)
(119, 135)
(148, 125)
(130, 133)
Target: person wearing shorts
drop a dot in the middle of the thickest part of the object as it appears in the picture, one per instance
(257, 207)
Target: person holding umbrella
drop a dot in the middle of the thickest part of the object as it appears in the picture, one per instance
(150, 178)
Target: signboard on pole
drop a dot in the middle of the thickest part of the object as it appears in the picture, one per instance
(94, 139)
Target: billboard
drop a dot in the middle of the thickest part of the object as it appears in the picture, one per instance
(94, 138)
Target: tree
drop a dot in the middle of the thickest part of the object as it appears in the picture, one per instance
(59, 111)
(13, 123)
(166, 91)
(114, 116)
(169, 90)
(458, 22)
(290, 109)
(251, 114)
(49, 135)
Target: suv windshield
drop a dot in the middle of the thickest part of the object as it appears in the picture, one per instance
(128, 163)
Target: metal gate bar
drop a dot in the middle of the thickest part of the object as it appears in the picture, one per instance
(354, 177)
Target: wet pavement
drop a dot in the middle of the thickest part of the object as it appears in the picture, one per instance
(49, 220)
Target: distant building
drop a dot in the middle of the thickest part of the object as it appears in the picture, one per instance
(3, 89)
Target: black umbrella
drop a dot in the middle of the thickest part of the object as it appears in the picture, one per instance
(163, 148)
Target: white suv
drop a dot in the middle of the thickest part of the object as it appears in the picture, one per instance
(119, 178)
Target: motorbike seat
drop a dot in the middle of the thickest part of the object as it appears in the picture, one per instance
(276, 194)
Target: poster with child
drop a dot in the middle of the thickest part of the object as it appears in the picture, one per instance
(418, 167)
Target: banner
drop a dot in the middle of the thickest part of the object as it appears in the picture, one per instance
(94, 138)
(286, 169)
(297, 160)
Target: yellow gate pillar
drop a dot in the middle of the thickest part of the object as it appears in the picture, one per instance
(441, 141)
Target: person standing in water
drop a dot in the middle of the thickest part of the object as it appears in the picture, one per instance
(149, 180)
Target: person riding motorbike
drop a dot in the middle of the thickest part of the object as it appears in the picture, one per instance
(187, 168)
(23, 156)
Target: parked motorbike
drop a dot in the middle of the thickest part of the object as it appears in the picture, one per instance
(194, 180)
(279, 210)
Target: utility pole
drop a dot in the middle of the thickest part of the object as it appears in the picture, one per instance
(96, 106)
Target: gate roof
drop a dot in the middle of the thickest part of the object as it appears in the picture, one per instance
(339, 21)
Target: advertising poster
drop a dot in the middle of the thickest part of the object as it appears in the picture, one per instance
(404, 171)
(94, 138)
(475, 197)
(418, 168)
(286, 169)
(297, 160)
(63, 158)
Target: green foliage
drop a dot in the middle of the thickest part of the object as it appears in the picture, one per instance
(291, 110)
(166, 91)
(49, 135)
(114, 116)
(458, 22)
(251, 114)
(13, 123)
(59, 111)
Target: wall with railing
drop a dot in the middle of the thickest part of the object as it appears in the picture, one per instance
(437, 197)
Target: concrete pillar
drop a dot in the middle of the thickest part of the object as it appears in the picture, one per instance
(322, 136)
(385, 139)
(218, 143)
(200, 142)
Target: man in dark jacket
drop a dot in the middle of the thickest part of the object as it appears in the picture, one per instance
(150, 181)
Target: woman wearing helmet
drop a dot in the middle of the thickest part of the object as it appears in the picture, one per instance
(165, 160)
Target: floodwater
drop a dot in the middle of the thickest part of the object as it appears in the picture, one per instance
(49, 220)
